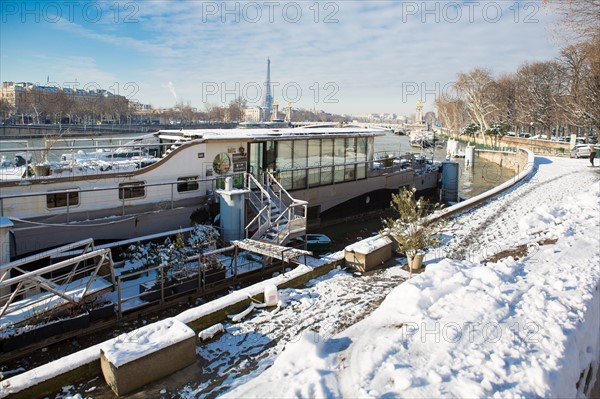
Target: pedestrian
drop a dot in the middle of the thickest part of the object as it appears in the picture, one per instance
(592, 154)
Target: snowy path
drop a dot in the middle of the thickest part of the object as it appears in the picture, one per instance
(526, 325)
(327, 305)
(482, 232)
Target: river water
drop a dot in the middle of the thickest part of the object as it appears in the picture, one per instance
(482, 176)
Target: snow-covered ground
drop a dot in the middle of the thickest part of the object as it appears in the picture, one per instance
(526, 324)
(508, 307)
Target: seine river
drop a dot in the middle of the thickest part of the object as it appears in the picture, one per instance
(476, 180)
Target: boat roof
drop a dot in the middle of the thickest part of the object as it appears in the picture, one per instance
(270, 134)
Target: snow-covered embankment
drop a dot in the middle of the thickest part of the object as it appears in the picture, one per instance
(524, 323)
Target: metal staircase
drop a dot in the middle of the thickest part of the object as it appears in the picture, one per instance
(279, 217)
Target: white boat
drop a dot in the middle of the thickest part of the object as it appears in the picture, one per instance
(331, 170)
(424, 139)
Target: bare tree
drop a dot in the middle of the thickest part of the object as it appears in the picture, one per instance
(6, 108)
(541, 88)
(235, 111)
(476, 89)
(453, 114)
(215, 112)
(506, 94)
(579, 19)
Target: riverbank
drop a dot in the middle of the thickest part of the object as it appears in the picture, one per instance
(483, 318)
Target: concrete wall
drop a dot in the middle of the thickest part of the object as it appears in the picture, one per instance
(537, 146)
(366, 262)
(514, 161)
(151, 367)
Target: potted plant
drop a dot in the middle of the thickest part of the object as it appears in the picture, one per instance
(40, 164)
(214, 271)
(411, 229)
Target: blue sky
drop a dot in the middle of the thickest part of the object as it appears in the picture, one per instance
(340, 56)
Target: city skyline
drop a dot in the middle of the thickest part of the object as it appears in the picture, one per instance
(341, 57)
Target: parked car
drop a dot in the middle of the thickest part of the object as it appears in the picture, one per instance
(580, 151)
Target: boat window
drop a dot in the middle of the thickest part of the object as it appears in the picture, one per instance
(339, 158)
(285, 161)
(327, 159)
(350, 172)
(361, 157)
(269, 155)
(284, 154)
(299, 161)
(314, 159)
(60, 200)
(132, 190)
(187, 184)
(221, 163)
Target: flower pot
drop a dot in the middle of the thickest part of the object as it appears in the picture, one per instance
(151, 294)
(186, 284)
(30, 337)
(214, 275)
(415, 262)
(104, 311)
(75, 323)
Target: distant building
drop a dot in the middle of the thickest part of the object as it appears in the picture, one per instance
(22, 96)
(141, 108)
(254, 114)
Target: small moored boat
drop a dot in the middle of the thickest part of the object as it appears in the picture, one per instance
(316, 242)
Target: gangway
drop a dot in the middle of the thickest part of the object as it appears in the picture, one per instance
(38, 293)
(274, 251)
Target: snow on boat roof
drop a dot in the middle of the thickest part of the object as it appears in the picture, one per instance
(249, 134)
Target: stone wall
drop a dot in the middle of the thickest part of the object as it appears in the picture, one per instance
(514, 161)
(537, 146)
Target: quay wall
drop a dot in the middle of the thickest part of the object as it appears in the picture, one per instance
(537, 146)
(515, 161)
(524, 161)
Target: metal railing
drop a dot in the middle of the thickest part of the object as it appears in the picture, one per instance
(36, 294)
(163, 195)
(198, 274)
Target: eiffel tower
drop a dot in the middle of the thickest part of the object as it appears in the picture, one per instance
(268, 103)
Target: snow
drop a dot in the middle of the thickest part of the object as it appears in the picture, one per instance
(522, 326)
(211, 331)
(50, 370)
(327, 305)
(145, 340)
